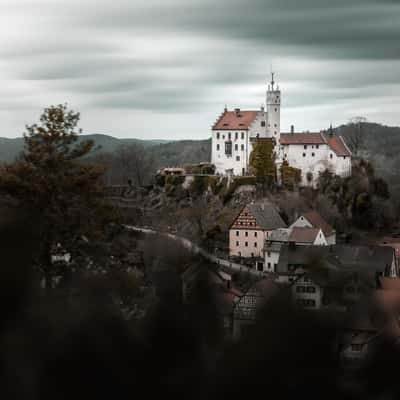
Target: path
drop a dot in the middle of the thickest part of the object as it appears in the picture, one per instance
(194, 248)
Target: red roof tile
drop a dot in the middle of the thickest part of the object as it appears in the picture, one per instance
(302, 138)
(317, 221)
(336, 143)
(231, 120)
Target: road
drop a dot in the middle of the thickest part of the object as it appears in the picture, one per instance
(194, 248)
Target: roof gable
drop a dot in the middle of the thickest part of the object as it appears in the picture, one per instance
(316, 220)
(235, 120)
(262, 215)
(337, 145)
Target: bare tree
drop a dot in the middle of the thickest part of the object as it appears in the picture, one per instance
(133, 164)
(356, 135)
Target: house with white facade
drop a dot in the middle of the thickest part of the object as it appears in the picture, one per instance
(313, 219)
(235, 132)
(310, 229)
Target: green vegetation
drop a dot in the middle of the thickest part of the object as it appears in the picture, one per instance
(262, 160)
(227, 192)
(62, 193)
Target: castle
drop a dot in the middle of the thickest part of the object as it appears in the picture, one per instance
(235, 132)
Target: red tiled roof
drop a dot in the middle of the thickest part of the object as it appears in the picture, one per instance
(303, 138)
(303, 235)
(337, 145)
(231, 120)
(317, 221)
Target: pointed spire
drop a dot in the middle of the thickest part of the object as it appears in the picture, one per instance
(331, 130)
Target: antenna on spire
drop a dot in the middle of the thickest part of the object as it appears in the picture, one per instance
(272, 81)
(331, 130)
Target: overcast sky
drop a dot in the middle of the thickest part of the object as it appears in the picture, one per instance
(164, 69)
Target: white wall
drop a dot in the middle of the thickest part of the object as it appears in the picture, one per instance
(237, 162)
(271, 260)
(306, 283)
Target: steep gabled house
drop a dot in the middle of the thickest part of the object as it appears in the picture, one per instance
(313, 219)
(250, 229)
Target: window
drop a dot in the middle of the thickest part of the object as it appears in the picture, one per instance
(236, 147)
(275, 133)
(246, 244)
(331, 155)
(260, 266)
(275, 265)
(304, 154)
(300, 289)
(255, 234)
(312, 154)
(237, 158)
(246, 234)
(217, 135)
(275, 125)
(269, 265)
(229, 136)
(276, 109)
(255, 244)
(252, 254)
(236, 136)
(268, 254)
(242, 147)
(317, 146)
(305, 147)
(242, 135)
(240, 254)
(237, 244)
(243, 171)
(262, 123)
(228, 148)
(311, 289)
(217, 147)
(237, 233)
(344, 157)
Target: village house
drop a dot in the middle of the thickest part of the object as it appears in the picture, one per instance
(235, 132)
(250, 229)
(246, 309)
(333, 276)
(310, 229)
(313, 219)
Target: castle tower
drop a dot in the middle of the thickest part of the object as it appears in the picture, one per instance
(274, 111)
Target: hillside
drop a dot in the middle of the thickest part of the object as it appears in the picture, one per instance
(10, 148)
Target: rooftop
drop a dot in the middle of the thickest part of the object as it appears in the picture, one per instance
(304, 235)
(235, 120)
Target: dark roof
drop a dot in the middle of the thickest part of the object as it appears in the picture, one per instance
(341, 257)
(233, 120)
(315, 219)
(303, 235)
(266, 215)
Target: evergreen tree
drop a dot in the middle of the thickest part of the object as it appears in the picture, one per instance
(63, 193)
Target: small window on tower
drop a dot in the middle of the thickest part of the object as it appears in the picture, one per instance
(313, 154)
(237, 158)
(331, 155)
(236, 147)
(242, 147)
(276, 109)
(304, 154)
(217, 147)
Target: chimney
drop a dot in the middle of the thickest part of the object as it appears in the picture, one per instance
(292, 129)
(237, 111)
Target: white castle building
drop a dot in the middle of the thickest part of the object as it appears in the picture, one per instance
(235, 132)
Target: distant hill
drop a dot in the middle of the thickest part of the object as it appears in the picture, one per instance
(10, 148)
